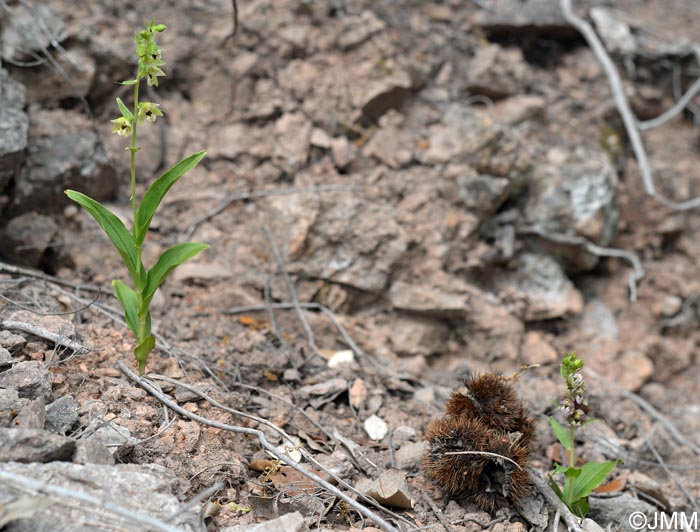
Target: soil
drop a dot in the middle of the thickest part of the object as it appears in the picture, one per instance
(322, 122)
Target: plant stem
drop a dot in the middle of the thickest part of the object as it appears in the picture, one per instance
(133, 150)
(572, 463)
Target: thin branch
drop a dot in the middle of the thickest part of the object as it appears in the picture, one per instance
(290, 287)
(43, 313)
(485, 453)
(43, 333)
(597, 250)
(28, 272)
(572, 522)
(263, 442)
(211, 490)
(60, 493)
(628, 117)
(681, 104)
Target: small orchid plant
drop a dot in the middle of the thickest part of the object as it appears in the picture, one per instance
(579, 482)
(136, 301)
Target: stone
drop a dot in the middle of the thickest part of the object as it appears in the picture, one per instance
(412, 335)
(541, 286)
(14, 128)
(22, 35)
(5, 359)
(14, 93)
(64, 152)
(289, 522)
(619, 509)
(292, 140)
(524, 17)
(61, 415)
(183, 395)
(634, 369)
(323, 392)
(402, 434)
(92, 451)
(353, 242)
(391, 144)
(375, 97)
(11, 341)
(358, 29)
(27, 239)
(46, 86)
(390, 488)
(31, 380)
(123, 485)
(197, 271)
(375, 427)
(535, 349)
(615, 33)
(10, 405)
(520, 108)
(496, 72)
(342, 152)
(409, 455)
(482, 194)
(32, 415)
(573, 193)
(462, 133)
(33, 445)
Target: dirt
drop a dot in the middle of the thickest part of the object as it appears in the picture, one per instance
(358, 97)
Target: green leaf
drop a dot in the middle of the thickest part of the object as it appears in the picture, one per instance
(157, 191)
(126, 112)
(563, 435)
(592, 475)
(130, 301)
(142, 351)
(167, 262)
(556, 489)
(129, 82)
(580, 507)
(116, 231)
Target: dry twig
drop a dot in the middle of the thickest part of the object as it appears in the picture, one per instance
(385, 525)
(547, 492)
(60, 493)
(43, 333)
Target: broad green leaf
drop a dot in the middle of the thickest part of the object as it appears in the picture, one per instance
(130, 301)
(116, 231)
(157, 191)
(126, 112)
(592, 475)
(168, 261)
(580, 507)
(142, 351)
(556, 488)
(563, 435)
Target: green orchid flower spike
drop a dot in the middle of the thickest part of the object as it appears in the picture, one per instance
(136, 300)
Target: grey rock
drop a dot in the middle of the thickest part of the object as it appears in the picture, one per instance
(462, 133)
(414, 335)
(497, 72)
(64, 152)
(26, 238)
(14, 93)
(92, 451)
(11, 341)
(391, 144)
(33, 445)
(410, 454)
(61, 415)
(5, 359)
(375, 97)
(573, 193)
(515, 17)
(31, 380)
(14, 126)
(143, 489)
(358, 29)
(23, 33)
(10, 404)
(617, 511)
(540, 285)
(32, 415)
(481, 194)
(290, 522)
(353, 242)
(614, 31)
(183, 395)
(110, 434)
(292, 140)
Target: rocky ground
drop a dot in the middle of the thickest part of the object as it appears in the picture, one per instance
(432, 182)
